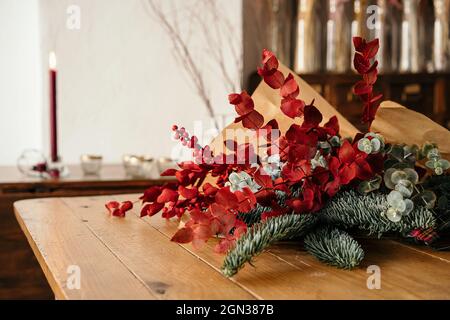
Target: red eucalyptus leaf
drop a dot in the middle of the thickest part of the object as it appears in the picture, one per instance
(112, 206)
(347, 174)
(202, 232)
(224, 246)
(117, 209)
(217, 210)
(346, 152)
(275, 79)
(227, 199)
(271, 214)
(363, 171)
(126, 206)
(292, 107)
(332, 126)
(209, 189)
(359, 44)
(246, 199)
(269, 60)
(182, 177)
(253, 120)
(265, 197)
(290, 89)
(362, 88)
(360, 63)
(151, 194)
(371, 49)
(376, 98)
(312, 116)
(240, 228)
(169, 173)
(243, 103)
(188, 193)
(304, 205)
(371, 76)
(151, 209)
(167, 195)
(184, 235)
(263, 179)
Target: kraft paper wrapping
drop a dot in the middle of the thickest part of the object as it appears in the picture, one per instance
(401, 125)
(395, 122)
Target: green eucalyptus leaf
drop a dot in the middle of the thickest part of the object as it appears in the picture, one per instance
(444, 164)
(387, 178)
(389, 163)
(442, 203)
(427, 198)
(370, 185)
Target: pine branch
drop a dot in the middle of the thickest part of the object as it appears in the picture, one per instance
(263, 234)
(334, 247)
(350, 209)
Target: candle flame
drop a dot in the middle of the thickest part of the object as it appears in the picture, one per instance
(52, 60)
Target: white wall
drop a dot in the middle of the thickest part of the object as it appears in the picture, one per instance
(120, 87)
(20, 85)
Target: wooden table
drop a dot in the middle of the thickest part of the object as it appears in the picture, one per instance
(132, 258)
(20, 274)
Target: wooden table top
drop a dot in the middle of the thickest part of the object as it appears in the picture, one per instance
(132, 258)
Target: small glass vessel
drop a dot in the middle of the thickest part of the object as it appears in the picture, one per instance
(91, 164)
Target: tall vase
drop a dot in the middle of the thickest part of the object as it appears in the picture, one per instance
(338, 42)
(412, 53)
(281, 31)
(308, 44)
(441, 40)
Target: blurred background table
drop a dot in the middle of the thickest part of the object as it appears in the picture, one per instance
(20, 275)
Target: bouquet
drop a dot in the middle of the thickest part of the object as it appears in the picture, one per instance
(288, 173)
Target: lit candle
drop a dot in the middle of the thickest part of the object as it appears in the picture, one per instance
(53, 114)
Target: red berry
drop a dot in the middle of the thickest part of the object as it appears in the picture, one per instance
(174, 127)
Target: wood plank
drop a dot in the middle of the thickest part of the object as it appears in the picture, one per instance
(442, 255)
(405, 272)
(168, 270)
(271, 278)
(59, 240)
(286, 271)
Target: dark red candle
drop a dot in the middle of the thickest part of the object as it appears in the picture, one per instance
(53, 110)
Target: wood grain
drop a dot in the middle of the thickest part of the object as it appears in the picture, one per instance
(137, 252)
(59, 240)
(168, 270)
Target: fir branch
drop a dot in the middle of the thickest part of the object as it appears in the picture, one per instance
(350, 209)
(334, 247)
(262, 235)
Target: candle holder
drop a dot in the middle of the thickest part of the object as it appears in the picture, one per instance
(57, 169)
(138, 166)
(91, 164)
(33, 163)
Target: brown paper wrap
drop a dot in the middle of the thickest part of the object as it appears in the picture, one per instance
(395, 122)
(401, 125)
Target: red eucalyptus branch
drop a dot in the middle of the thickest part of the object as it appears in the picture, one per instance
(365, 52)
